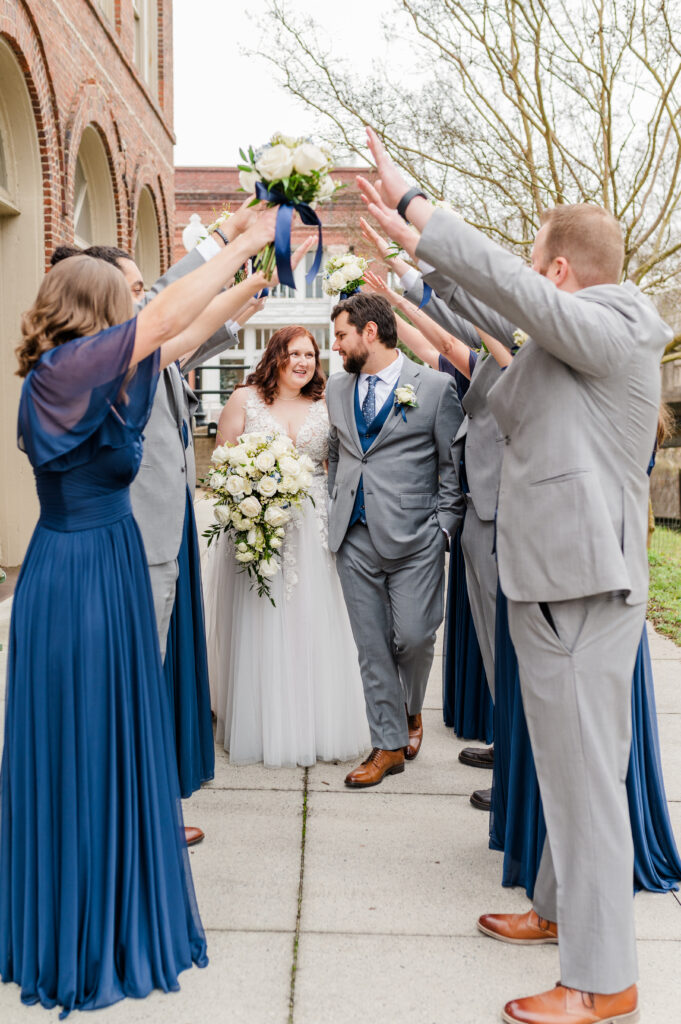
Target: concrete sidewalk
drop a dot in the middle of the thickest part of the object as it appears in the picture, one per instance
(329, 906)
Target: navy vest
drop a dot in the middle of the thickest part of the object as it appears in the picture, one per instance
(367, 435)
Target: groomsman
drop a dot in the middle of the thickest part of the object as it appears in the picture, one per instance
(578, 409)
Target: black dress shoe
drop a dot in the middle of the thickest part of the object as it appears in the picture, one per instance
(477, 757)
(482, 799)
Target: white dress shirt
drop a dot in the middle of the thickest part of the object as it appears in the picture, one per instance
(387, 379)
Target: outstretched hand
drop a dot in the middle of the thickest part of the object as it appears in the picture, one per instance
(389, 219)
(392, 184)
(376, 284)
(381, 246)
(242, 219)
(261, 229)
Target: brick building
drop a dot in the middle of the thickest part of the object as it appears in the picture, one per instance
(207, 191)
(86, 154)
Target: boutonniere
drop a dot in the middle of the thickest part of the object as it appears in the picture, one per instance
(519, 337)
(405, 398)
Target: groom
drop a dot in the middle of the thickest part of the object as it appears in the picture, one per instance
(393, 502)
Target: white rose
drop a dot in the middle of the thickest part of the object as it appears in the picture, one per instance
(275, 516)
(265, 461)
(244, 556)
(267, 487)
(337, 280)
(221, 454)
(327, 187)
(305, 480)
(307, 158)
(288, 484)
(281, 445)
(280, 532)
(237, 454)
(255, 538)
(268, 570)
(222, 515)
(404, 395)
(245, 525)
(236, 517)
(275, 163)
(276, 543)
(235, 486)
(217, 480)
(241, 547)
(288, 465)
(352, 272)
(306, 463)
(241, 471)
(250, 507)
(248, 179)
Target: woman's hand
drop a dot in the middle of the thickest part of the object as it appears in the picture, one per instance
(392, 185)
(378, 285)
(389, 219)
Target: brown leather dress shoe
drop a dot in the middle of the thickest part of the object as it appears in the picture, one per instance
(415, 727)
(523, 929)
(482, 799)
(193, 835)
(378, 763)
(477, 757)
(570, 1006)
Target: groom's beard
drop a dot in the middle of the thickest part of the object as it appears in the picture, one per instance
(354, 361)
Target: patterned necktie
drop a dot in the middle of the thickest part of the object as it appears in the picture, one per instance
(369, 403)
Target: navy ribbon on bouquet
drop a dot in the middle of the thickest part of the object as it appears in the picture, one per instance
(425, 298)
(346, 295)
(282, 235)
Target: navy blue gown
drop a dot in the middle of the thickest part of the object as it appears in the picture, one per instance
(185, 668)
(466, 700)
(96, 896)
(517, 821)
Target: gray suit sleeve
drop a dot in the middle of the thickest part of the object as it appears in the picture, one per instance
(333, 451)
(441, 314)
(587, 332)
(217, 342)
(450, 501)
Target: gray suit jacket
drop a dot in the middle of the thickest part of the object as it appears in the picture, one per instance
(409, 478)
(159, 490)
(578, 408)
(479, 435)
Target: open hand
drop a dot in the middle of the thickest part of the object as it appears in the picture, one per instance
(378, 285)
(389, 219)
(392, 185)
(241, 220)
(373, 237)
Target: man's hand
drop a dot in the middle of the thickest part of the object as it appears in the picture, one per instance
(389, 219)
(260, 230)
(392, 184)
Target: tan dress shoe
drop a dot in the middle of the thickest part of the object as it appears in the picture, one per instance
(378, 763)
(523, 929)
(570, 1006)
(415, 727)
(193, 835)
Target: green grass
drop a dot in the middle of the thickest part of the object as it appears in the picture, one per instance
(664, 598)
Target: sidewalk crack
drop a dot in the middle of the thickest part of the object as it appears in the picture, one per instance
(296, 937)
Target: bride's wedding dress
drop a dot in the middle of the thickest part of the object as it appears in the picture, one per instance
(285, 683)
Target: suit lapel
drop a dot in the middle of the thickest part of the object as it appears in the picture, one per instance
(409, 375)
(348, 400)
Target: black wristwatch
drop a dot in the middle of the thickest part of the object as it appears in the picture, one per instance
(406, 199)
(222, 235)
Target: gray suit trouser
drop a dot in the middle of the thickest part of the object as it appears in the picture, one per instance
(575, 680)
(163, 586)
(395, 606)
(477, 544)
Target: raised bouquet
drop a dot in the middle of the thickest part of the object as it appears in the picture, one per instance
(257, 484)
(344, 275)
(293, 174)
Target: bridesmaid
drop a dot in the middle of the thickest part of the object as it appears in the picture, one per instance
(96, 895)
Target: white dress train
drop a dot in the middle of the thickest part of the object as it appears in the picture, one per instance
(285, 682)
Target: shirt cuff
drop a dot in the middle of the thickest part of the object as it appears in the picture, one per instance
(208, 248)
(425, 268)
(409, 278)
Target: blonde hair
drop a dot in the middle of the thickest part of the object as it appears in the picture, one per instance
(78, 297)
(589, 238)
(665, 424)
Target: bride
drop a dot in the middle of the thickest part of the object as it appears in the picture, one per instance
(285, 683)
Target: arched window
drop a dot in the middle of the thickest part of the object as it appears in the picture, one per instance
(147, 245)
(94, 211)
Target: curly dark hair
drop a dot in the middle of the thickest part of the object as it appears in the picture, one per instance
(265, 377)
(362, 309)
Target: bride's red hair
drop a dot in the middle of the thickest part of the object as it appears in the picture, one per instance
(265, 377)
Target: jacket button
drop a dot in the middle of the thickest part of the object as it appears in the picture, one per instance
(352, 494)
(365, 460)
(507, 439)
(182, 470)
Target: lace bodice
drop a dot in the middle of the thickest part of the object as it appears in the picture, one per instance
(313, 436)
(313, 441)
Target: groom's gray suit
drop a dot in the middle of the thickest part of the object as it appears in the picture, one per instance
(391, 570)
(578, 408)
(159, 491)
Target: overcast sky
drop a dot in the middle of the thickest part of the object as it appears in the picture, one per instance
(223, 99)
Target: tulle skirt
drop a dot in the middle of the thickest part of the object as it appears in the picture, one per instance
(285, 682)
(96, 896)
(185, 668)
(466, 699)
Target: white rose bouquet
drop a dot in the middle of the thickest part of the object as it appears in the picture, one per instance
(344, 275)
(257, 483)
(291, 173)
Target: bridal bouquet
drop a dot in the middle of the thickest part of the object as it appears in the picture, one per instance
(257, 483)
(344, 275)
(291, 173)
